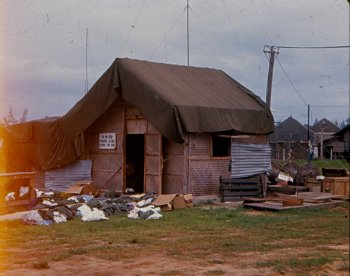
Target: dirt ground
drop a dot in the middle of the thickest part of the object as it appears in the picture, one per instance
(156, 265)
(166, 263)
(240, 264)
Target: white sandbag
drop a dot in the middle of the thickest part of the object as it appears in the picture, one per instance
(91, 215)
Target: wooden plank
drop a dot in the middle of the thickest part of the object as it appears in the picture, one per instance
(241, 193)
(277, 206)
(239, 186)
(286, 201)
(18, 175)
(237, 181)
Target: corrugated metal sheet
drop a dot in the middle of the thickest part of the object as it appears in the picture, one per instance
(61, 179)
(249, 159)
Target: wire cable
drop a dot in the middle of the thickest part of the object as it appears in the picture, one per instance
(329, 106)
(311, 47)
(290, 81)
(169, 31)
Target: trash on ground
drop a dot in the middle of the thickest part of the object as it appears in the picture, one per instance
(54, 207)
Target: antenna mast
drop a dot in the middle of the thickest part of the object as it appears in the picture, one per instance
(188, 34)
(86, 62)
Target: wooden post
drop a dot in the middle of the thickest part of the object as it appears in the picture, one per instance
(273, 51)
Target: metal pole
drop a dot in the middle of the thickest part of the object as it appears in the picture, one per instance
(321, 142)
(188, 35)
(308, 123)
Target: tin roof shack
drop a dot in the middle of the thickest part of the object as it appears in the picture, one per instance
(153, 127)
(290, 136)
(338, 146)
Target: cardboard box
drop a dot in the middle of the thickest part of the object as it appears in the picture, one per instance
(179, 202)
(189, 200)
(82, 187)
(165, 202)
(173, 201)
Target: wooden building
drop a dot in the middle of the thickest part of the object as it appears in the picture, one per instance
(338, 146)
(148, 126)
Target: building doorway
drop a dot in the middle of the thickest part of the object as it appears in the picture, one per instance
(135, 162)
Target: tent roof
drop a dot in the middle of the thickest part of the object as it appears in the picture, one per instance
(174, 98)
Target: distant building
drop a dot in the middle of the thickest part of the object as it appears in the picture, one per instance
(324, 130)
(338, 146)
(290, 138)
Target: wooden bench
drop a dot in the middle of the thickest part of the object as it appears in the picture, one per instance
(232, 189)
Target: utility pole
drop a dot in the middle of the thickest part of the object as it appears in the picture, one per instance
(273, 52)
(309, 144)
(308, 123)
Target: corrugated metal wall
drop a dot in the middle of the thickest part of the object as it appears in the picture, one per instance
(61, 179)
(249, 159)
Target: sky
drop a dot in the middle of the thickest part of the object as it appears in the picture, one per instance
(52, 51)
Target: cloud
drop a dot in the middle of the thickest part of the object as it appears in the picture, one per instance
(43, 47)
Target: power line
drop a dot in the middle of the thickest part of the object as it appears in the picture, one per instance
(329, 106)
(290, 81)
(169, 31)
(311, 47)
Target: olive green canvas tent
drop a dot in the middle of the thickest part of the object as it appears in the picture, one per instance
(175, 99)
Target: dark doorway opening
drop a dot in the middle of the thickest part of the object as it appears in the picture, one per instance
(135, 162)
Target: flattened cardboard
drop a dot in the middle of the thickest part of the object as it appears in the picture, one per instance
(173, 201)
(165, 202)
(82, 187)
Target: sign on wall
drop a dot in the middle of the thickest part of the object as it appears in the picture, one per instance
(107, 141)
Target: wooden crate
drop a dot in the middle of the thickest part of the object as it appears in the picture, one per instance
(337, 186)
(314, 184)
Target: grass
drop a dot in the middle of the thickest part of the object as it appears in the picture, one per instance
(318, 163)
(214, 237)
(304, 262)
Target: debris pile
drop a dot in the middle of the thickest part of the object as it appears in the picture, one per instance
(55, 207)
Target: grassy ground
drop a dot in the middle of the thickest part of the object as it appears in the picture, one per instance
(318, 163)
(337, 164)
(299, 242)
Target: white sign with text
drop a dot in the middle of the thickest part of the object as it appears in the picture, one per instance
(107, 141)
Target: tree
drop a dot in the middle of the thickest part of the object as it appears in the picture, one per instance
(10, 118)
(24, 116)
